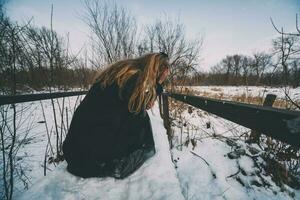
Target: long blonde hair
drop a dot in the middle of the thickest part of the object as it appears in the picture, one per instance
(147, 67)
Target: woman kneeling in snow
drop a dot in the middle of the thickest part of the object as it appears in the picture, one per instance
(110, 133)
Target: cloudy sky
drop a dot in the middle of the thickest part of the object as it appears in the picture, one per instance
(228, 26)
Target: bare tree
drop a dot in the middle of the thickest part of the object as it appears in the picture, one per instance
(246, 63)
(261, 62)
(232, 66)
(228, 65)
(113, 31)
(11, 53)
(169, 36)
(281, 32)
(285, 50)
(295, 71)
(241, 69)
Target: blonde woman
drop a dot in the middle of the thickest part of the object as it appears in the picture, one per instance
(110, 133)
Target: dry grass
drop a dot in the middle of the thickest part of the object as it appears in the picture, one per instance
(243, 98)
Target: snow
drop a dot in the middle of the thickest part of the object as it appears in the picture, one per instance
(170, 174)
(217, 181)
(156, 179)
(221, 178)
(228, 92)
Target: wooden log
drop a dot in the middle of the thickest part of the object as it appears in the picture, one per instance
(280, 124)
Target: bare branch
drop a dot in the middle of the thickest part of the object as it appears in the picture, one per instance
(284, 33)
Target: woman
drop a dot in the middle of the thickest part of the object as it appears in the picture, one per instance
(110, 133)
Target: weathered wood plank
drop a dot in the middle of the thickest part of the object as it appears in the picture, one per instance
(280, 124)
(36, 97)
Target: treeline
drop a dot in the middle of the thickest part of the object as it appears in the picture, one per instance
(37, 57)
(38, 78)
(279, 67)
(268, 79)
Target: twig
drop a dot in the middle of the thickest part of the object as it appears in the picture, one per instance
(293, 102)
(283, 33)
(236, 173)
(200, 157)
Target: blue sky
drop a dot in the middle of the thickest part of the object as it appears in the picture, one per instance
(228, 26)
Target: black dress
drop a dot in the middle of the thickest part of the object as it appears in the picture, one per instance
(104, 138)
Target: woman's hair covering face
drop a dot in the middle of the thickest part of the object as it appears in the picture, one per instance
(147, 68)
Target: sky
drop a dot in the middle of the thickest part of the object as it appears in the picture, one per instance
(227, 26)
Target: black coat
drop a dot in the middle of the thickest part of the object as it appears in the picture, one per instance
(102, 129)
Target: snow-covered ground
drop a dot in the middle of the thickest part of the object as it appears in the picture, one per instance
(205, 170)
(221, 178)
(32, 138)
(204, 142)
(156, 179)
(198, 167)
